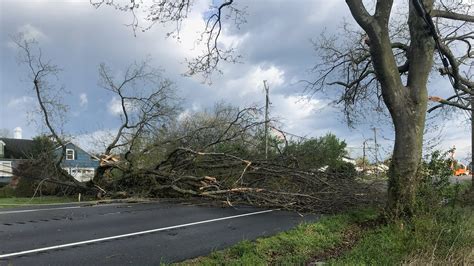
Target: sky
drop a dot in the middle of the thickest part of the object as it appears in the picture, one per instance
(275, 45)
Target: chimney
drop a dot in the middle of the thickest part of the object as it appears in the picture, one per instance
(17, 133)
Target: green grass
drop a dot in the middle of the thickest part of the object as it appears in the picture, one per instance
(295, 246)
(444, 238)
(13, 201)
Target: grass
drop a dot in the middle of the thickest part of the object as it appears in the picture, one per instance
(296, 246)
(444, 236)
(14, 201)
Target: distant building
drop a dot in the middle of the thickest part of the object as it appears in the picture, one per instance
(12, 153)
(77, 162)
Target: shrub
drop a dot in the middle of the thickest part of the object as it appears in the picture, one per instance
(435, 189)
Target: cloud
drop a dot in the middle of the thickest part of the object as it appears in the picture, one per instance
(297, 108)
(115, 106)
(83, 99)
(20, 102)
(298, 114)
(274, 44)
(95, 142)
(251, 82)
(30, 32)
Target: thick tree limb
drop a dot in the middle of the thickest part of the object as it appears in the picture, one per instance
(452, 15)
(360, 14)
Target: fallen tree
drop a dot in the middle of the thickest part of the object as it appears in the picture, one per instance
(228, 178)
(215, 155)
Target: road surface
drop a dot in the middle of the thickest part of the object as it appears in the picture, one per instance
(460, 179)
(123, 234)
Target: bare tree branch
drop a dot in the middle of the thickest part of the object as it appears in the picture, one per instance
(452, 15)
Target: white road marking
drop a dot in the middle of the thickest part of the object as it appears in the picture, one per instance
(48, 204)
(38, 210)
(19, 253)
(60, 208)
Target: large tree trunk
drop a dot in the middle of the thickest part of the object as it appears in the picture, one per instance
(403, 175)
(408, 113)
(407, 104)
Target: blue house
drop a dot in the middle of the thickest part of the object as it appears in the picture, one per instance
(77, 162)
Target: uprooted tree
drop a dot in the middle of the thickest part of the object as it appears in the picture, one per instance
(392, 58)
(215, 154)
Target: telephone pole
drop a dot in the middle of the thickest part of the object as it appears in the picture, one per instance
(376, 146)
(267, 102)
(364, 156)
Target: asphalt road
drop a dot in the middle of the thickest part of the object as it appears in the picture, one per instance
(137, 234)
(460, 179)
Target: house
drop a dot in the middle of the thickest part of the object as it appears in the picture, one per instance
(12, 153)
(77, 162)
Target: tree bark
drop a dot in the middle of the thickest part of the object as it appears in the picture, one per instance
(407, 153)
(407, 104)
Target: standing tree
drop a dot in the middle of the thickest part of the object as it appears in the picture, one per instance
(395, 56)
(390, 62)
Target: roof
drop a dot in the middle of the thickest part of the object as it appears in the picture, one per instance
(70, 143)
(24, 148)
(17, 148)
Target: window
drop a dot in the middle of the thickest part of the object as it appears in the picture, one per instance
(6, 169)
(69, 154)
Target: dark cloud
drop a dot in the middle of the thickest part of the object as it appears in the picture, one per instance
(275, 45)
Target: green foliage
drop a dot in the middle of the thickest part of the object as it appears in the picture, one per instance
(344, 169)
(318, 152)
(25, 188)
(43, 148)
(435, 189)
(7, 192)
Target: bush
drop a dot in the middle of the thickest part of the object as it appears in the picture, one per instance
(7, 192)
(343, 170)
(318, 152)
(435, 189)
(25, 188)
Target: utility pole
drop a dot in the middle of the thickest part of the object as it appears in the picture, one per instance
(267, 102)
(363, 157)
(376, 146)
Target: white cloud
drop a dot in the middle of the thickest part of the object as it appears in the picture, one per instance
(294, 110)
(20, 102)
(252, 82)
(28, 32)
(31, 32)
(184, 115)
(115, 106)
(95, 142)
(83, 99)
